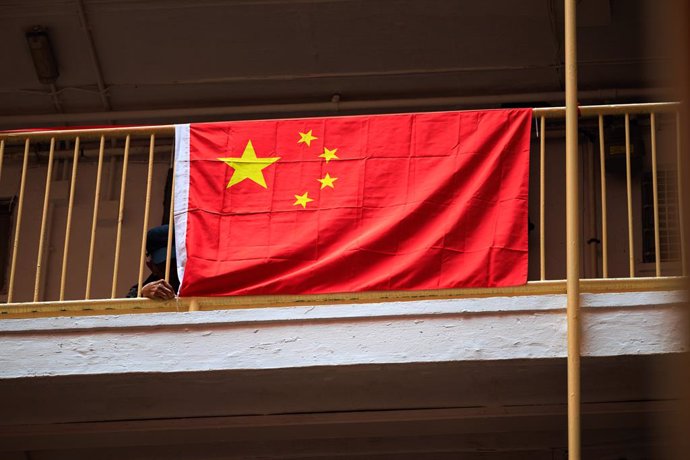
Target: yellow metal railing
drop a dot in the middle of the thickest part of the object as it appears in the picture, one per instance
(626, 110)
(78, 137)
(148, 135)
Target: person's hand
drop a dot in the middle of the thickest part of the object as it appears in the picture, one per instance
(158, 290)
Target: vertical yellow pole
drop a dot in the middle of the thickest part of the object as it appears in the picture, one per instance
(147, 203)
(18, 226)
(170, 226)
(572, 230)
(628, 181)
(542, 199)
(68, 224)
(44, 219)
(120, 217)
(679, 175)
(604, 213)
(94, 220)
(655, 193)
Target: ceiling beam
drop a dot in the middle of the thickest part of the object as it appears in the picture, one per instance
(100, 81)
(358, 424)
(335, 106)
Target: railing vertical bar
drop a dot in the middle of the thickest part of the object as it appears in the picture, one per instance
(149, 179)
(44, 219)
(591, 255)
(170, 226)
(94, 221)
(628, 181)
(542, 198)
(18, 225)
(604, 213)
(655, 194)
(679, 178)
(68, 224)
(2, 154)
(120, 217)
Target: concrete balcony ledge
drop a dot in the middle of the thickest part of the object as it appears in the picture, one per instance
(469, 329)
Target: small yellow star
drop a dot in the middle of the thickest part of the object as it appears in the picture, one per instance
(302, 199)
(248, 166)
(327, 181)
(329, 155)
(306, 138)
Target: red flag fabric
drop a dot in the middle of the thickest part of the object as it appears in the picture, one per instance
(361, 203)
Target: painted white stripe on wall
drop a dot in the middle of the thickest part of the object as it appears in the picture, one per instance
(402, 309)
(293, 337)
(181, 196)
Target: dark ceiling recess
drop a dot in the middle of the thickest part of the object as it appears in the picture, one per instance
(42, 55)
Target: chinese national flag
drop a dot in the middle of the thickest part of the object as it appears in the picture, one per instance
(362, 203)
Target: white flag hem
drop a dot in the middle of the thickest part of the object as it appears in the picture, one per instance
(181, 193)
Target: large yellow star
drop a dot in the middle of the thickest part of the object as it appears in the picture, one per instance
(302, 200)
(329, 155)
(327, 181)
(248, 166)
(306, 138)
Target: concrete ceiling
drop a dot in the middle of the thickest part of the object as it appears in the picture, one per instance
(177, 54)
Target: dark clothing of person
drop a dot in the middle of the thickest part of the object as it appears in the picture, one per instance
(156, 253)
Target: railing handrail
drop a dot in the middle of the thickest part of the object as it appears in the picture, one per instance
(609, 109)
(88, 133)
(547, 112)
(183, 304)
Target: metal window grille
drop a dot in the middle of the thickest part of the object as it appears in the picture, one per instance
(669, 241)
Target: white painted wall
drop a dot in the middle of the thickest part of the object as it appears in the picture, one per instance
(499, 328)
